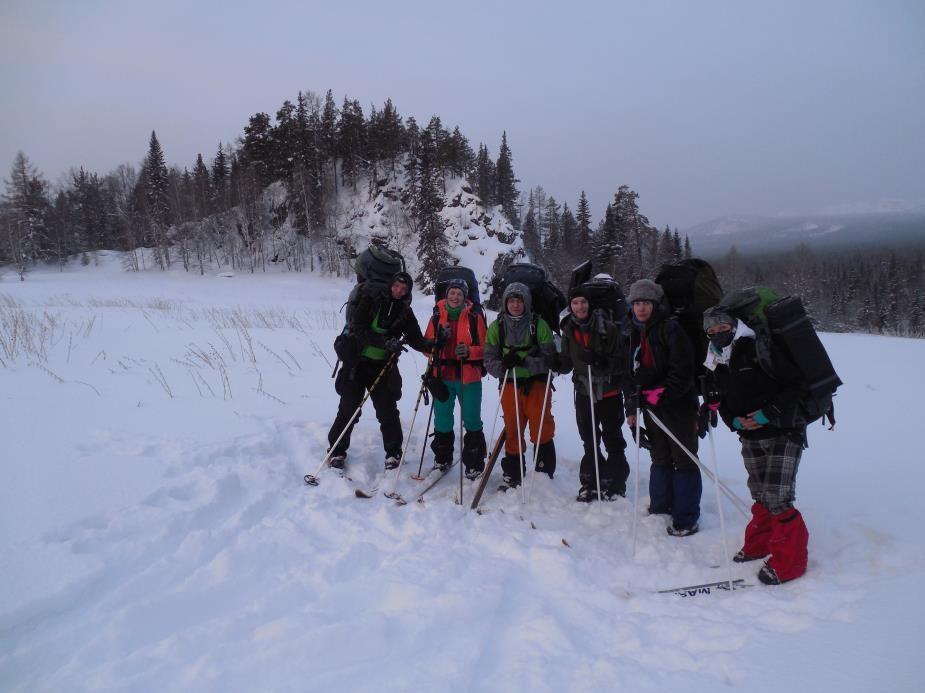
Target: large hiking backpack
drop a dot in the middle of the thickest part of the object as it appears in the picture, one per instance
(379, 264)
(785, 322)
(691, 286)
(375, 268)
(604, 292)
(447, 274)
(548, 300)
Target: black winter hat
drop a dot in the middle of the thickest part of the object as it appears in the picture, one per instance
(578, 292)
(458, 283)
(405, 279)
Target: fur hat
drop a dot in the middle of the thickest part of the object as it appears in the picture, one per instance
(646, 290)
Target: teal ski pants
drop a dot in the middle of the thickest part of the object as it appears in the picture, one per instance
(470, 395)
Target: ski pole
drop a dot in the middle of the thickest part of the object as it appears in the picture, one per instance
(636, 484)
(736, 501)
(414, 415)
(597, 471)
(430, 418)
(520, 445)
(719, 504)
(536, 449)
(312, 479)
(461, 405)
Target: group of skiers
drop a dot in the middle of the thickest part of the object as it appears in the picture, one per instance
(642, 362)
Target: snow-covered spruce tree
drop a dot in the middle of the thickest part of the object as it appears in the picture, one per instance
(550, 225)
(583, 219)
(460, 159)
(531, 231)
(351, 142)
(220, 181)
(567, 230)
(90, 215)
(632, 234)
(154, 180)
(391, 133)
(258, 150)
(484, 177)
(433, 247)
(25, 214)
(437, 138)
(412, 158)
(676, 252)
(202, 188)
(506, 193)
(665, 252)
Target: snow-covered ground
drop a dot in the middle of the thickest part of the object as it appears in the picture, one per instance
(155, 533)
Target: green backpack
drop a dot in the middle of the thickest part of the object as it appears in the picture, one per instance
(785, 322)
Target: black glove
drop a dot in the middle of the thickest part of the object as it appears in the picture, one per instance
(437, 388)
(442, 336)
(462, 351)
(512, 359)
(394, 345)
(556, 363)
(586, 356)
(706, 418)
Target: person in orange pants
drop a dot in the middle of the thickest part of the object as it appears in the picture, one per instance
(520, 344)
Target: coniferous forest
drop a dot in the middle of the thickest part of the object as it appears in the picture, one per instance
(271, 198)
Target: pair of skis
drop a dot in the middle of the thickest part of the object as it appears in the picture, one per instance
(706, 589)
(480, 488)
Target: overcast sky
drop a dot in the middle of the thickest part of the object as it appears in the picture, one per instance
(704, 108)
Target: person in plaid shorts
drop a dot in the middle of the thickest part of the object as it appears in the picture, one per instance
(764, 409)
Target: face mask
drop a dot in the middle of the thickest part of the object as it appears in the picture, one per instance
(720, 340)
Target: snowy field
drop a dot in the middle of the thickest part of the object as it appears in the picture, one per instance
(155, 533)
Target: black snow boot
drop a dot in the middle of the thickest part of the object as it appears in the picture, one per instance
(473, 453)
(442, 447)
(546, 458)
(586, 494)
(509, 471)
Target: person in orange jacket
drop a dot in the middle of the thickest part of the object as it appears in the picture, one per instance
(460, 327)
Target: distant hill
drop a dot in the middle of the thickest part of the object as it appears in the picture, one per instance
(754, 235)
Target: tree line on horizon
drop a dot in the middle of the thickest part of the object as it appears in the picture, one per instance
(271, 197)
(220, 212)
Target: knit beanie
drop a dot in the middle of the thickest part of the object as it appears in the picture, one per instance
(717, 315)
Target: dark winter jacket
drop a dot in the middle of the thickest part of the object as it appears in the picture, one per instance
(598, 338)
(744, 387)
(673, 356)
(378, 318)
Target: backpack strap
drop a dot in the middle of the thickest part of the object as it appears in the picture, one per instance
(830, 415)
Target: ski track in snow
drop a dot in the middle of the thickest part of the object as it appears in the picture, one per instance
(228, 573)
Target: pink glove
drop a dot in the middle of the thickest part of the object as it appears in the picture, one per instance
(654, 395)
